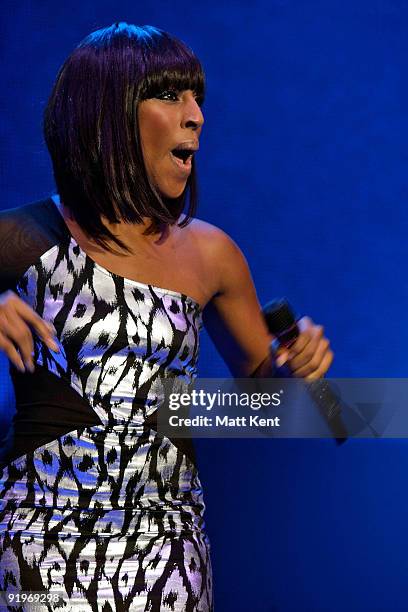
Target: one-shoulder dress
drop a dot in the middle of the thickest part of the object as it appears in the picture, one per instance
(95, 506)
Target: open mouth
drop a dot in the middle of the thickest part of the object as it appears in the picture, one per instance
(184, 156)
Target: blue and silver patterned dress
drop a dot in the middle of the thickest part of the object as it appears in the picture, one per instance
(95, 505)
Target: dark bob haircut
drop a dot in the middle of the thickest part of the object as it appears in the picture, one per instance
(92, 132)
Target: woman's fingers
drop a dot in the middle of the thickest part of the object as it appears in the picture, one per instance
(42, 328)
(15, 330)
(305, 347)
(317, 364)
(324, 366)
(310, 356)
(17, 323)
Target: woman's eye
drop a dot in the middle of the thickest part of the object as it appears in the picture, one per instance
(169, 94)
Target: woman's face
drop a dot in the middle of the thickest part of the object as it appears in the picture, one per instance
(170, 126)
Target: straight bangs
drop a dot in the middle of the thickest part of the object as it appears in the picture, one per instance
(92, 132)
(172, 65)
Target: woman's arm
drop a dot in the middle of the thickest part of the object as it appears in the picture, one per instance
(235, 323)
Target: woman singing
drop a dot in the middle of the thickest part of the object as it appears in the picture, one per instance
(103, 292)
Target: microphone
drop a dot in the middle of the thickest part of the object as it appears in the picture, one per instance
(281, 322)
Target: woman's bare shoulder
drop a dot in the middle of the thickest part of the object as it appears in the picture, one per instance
(224, 260)
(210, 236)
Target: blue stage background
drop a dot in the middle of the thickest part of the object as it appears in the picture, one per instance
(303, 162)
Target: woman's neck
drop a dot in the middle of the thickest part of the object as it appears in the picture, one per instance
(131, 234)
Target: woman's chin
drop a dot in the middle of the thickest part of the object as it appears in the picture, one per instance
(172, 193)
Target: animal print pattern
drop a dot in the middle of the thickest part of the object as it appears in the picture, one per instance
(109, 516)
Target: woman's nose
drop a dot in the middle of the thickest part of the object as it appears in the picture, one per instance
(193, 116)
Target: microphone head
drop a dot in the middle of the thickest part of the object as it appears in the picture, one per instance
(278, 315)
(281, 321)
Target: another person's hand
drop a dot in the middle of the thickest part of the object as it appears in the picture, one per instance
(310, 356)
(17, 323)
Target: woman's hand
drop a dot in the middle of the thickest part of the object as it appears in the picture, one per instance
(17, 323)
(310, 356)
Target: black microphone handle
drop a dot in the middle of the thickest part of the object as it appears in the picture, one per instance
(281, 322)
